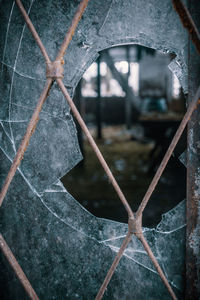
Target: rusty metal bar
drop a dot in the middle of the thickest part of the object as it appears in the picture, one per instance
(113, 266)
(124, 201)
(192, 106)
(17, 269)
(156, 265)
(33, 123)
(95, 147)
(30, 129)
(33, 31)
(72, 29)
(187, 22)
(192, 290)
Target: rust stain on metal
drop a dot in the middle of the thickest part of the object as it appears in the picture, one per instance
(192, 216)
(55, 69)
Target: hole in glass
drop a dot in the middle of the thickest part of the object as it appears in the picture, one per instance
(132, 105)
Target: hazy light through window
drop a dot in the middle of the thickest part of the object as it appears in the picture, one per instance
(109, 86)
(176, 87)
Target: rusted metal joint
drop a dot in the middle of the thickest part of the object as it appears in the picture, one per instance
(131, 226)
(135, 225)
(55, 69)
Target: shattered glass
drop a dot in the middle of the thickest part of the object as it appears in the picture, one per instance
(63, 249)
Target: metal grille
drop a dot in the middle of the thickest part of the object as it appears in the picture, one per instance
(54, 72)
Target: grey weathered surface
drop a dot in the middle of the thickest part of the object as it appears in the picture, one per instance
(63, 249)
(193, 174)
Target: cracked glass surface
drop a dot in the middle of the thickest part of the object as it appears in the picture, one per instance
(63, 249)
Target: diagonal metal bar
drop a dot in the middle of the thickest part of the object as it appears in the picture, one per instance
(152, 186)
(33, 31)
(30, 129)
(17, 269)
(22, 148)
(72, 29)
(156, 265)
(35, 117)
(124, 201)
(95, 147)
(113, 266)
(17, 160)
(135, 227)
(187, 22)
(192, 106)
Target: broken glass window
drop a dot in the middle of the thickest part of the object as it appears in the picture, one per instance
(63, 249)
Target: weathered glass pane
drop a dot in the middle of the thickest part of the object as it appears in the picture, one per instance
(63, 249)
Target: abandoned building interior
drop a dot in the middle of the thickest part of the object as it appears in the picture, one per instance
(133, 136)
(99, 149)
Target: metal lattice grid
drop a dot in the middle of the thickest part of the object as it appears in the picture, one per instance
(54, 72)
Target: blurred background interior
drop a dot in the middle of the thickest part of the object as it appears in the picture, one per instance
(132, 104)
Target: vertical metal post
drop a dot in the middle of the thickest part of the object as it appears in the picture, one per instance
(193, 171)
(128, 100)
(98, 100)
(78, 101)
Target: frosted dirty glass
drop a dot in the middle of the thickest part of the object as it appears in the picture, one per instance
(63, 249)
